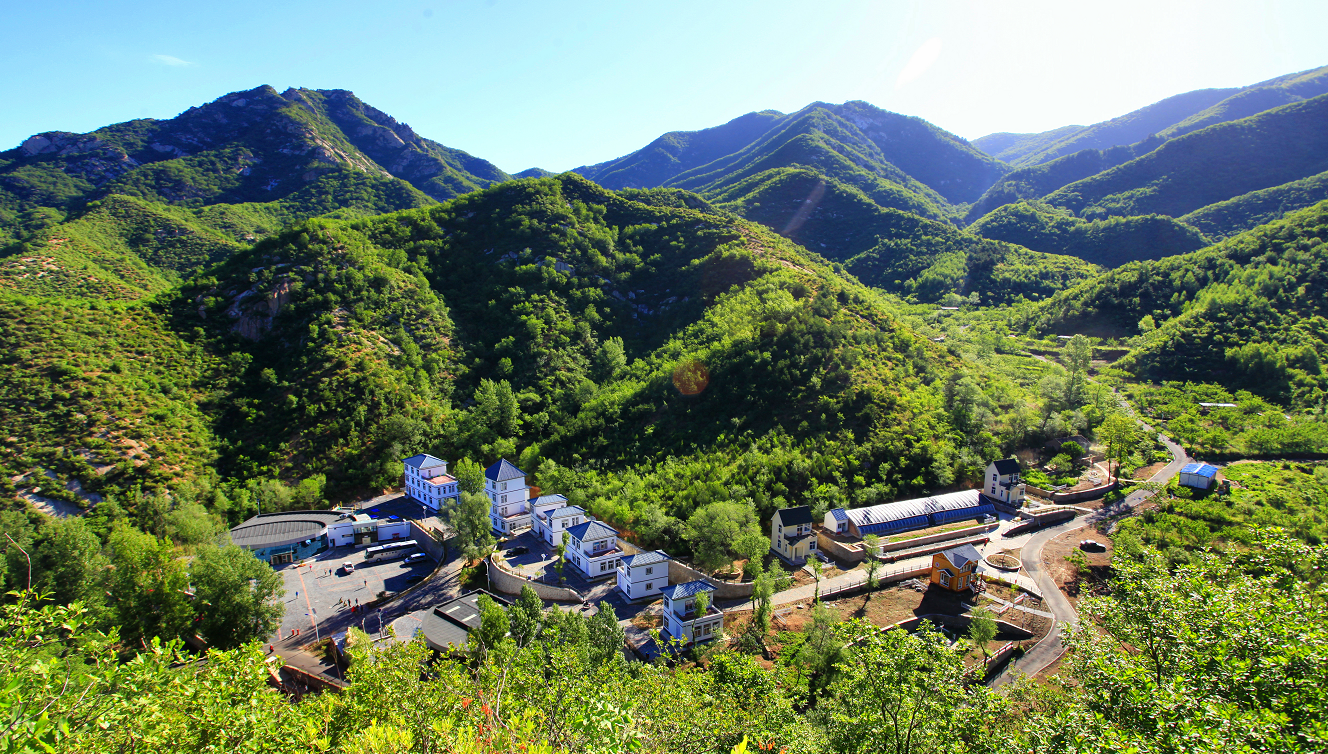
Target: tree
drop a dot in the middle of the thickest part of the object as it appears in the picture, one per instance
(702, 602)
(72, 564)
(561, 551)
(606, 637)
(816, 571)
(148, 593)
(714, 529)
(763, 592)
(235, 596)
(752, 545)
(982, 629)
(526, 617)
(611, 358)
(493, 629)
(474, 532)
(1118, 433)
(873, 545)
(900, 692)
(469, 476)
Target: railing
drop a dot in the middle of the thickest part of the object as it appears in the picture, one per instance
(882, 576)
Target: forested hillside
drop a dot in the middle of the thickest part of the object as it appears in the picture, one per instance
(1108, 242)
(1248, 312)
(1227, 218)
(1166, 119)
(1208, 166)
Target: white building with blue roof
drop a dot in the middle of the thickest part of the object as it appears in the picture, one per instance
(593, 548)
(643, 575)
(1200, 476)
(427, 481)
(682, 621)
(919, 513)
(509, 497)
(550, 516)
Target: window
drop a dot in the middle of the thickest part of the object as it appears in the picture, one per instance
(945, 578)
(648, 585)
(650, 570)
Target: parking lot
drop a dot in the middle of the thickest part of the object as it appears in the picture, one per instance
(325, 588)
(537, 563)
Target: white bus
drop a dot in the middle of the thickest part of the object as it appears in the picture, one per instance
(390, 551)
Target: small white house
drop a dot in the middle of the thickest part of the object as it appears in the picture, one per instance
(1003, 483)
(681, 619)
(363, 529)
(1200, 476)
(593, 548)
(428, 482)
(643, 575)
(550, 516)
(509, 497)
(791, 535)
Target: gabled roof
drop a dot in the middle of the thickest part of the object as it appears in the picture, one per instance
(1202, 469)
(503, 471)
(568, 510)
(543, 500)
(840, 514)
(683, 591)
(424, 461)
(645, 558)
(795, 516)
(592, 530)
(962, 555)
(1007, 466)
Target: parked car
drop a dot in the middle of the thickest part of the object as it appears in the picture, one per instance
(517, 551)
(417, 557)
(415, 578)
(348, 567)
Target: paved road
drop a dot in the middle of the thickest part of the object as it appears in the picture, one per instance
(1049, 649)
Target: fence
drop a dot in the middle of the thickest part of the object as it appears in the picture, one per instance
(883, 576)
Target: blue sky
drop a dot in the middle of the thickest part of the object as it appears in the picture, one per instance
(561, 84)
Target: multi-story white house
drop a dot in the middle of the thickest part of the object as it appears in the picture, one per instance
(643, 575)
(428, 482)
(791, 535)
(593, 549)
(550, 516)
(681, 618)
(509, 497)
(1002, 482)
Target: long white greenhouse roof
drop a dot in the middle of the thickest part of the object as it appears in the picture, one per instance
(902, 509)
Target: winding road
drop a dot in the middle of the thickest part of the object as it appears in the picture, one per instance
(1050, 649)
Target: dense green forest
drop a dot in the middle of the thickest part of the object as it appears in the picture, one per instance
(1247, 211)
(1208, 166)
(1109, 242)
(1247, 312)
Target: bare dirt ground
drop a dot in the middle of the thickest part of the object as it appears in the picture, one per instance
(1074, 584)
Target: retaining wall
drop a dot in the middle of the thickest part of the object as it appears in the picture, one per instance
(844, 551)
(504, 580)
(1071, 497)
(679, 574)
(934, 547)
(960, 623)
(425, 541)
(1040, 520)
(909, 544)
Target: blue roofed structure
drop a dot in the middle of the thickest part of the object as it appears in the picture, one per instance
(1200, 476)
(919, 513)
(503, 471)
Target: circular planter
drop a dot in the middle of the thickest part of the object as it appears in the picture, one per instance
(1003, 561)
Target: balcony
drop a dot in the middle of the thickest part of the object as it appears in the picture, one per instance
(691, 615)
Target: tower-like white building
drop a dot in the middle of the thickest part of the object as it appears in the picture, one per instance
(428, 482)
(509, 496)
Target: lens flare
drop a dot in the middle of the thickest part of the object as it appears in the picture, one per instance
(691, 377)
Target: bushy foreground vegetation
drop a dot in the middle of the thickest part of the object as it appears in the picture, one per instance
(1225, 654)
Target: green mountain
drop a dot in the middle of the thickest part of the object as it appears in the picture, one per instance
(1227, 218)
(1247, 313)
(1167, 119)
(1209, 166)
(1037, 181)
(1109, 242)
(855, 143)
(539, 319)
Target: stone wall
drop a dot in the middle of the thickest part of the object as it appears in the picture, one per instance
(960, 623)
(847, 552)
(970, 531)
(507, 581)
(425, 541)
(680, 574)
(1041, 519)
(1071, 497)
